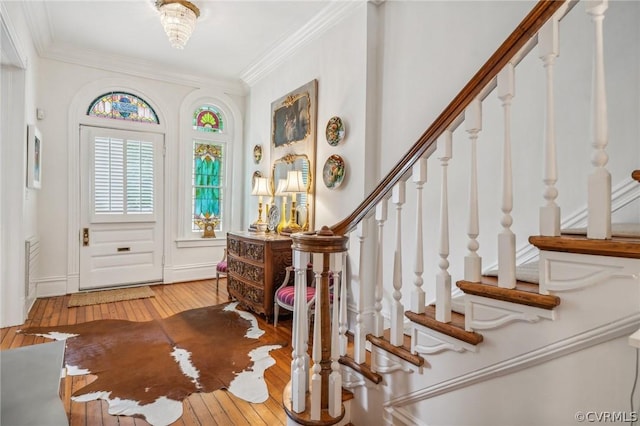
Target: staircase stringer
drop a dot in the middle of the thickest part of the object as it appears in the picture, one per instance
(560, 348)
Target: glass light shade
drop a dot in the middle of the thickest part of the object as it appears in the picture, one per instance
(295, 183)
(178, 18)
(261, 187)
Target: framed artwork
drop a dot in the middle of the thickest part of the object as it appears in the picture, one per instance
(293, 117)
(34, 157)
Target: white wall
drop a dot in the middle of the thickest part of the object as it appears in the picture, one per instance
(19, 204)
(66, 90)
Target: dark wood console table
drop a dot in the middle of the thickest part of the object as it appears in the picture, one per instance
(256, 268)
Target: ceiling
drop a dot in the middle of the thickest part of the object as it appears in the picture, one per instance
(231, 40)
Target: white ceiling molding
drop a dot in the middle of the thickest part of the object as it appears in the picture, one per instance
(37, 17)
(11, 48)
(328, 17)
(144, 69)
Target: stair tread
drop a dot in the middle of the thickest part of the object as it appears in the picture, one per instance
(403, 351)
(525, 293)
(455, 328)
(364, 368)
(618, 246)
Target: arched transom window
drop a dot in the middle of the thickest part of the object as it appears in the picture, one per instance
(123, 106)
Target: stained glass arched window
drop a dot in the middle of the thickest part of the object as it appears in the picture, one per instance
(123, 106)
(208, 179)
(208, 119)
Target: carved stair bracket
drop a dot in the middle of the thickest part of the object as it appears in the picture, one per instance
(383, 362)
(428, 341)
(564, 271)
(352, 380)
(483, 313)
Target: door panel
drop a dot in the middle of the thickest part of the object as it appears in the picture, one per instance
(121, 204)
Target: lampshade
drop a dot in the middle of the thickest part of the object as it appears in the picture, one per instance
(178, 19)
(282, 184)
(261, 187)
(295, 183)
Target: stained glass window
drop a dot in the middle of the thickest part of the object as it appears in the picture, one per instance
(208, 119)
(123, 106)
(207, 183)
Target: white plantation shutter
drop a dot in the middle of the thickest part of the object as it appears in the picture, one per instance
(139, 177)
(123, 179)
(108, 175)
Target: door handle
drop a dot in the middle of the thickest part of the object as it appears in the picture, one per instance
(85, 236)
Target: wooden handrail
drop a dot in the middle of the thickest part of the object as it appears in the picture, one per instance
(528, 28)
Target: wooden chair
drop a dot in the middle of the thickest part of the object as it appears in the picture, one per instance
(221, 269)
(285, 294)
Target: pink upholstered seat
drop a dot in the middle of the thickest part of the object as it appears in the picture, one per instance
(285, 296)
(221, 266)
(221, 269)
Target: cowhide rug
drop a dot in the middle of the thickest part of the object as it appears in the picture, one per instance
(147, 368)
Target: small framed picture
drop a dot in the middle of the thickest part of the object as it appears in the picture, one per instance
(34, 157)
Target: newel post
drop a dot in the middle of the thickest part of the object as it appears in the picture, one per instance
(323, 400)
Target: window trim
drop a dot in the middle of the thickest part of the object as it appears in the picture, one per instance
(231, 137)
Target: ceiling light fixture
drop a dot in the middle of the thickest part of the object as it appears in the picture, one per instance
(178, 19)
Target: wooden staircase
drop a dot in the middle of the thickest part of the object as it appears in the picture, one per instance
(405, 350)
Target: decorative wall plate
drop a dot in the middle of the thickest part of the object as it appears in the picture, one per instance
(333, 171)
(257, 154)
(273, 218)
(335, 131)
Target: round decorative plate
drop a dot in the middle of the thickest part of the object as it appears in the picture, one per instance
(335, 131)
(273, 218)
(333, 171)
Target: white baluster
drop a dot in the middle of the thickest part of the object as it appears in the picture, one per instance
(419, 176)
(548, 52)
(473, 262)
(599, 199)
(360, 339)
(300, 359)
(316, 350)
(337, 333)
(443, 279)
(507, 239)
(337, 278)
(398, 196)
(381, 217)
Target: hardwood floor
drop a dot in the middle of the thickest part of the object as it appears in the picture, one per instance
(215, 408)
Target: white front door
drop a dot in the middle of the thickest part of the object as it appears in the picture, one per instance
(121, 180)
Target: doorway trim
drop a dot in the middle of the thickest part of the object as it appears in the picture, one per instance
(78, 117)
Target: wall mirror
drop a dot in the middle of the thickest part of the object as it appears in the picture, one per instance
(293, 149)
(304, 200)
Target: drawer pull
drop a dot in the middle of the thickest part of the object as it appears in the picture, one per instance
(121, 249)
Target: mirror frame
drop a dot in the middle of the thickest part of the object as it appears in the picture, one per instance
(290, 159)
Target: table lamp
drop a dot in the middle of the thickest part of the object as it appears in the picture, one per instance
(260, 188)
(294, 185)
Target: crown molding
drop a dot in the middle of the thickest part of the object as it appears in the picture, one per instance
(327, 18)
(143, 69)
(38, 20)
(12, 51)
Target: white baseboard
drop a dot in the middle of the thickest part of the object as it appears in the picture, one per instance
(192, 272)
(51, 286)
